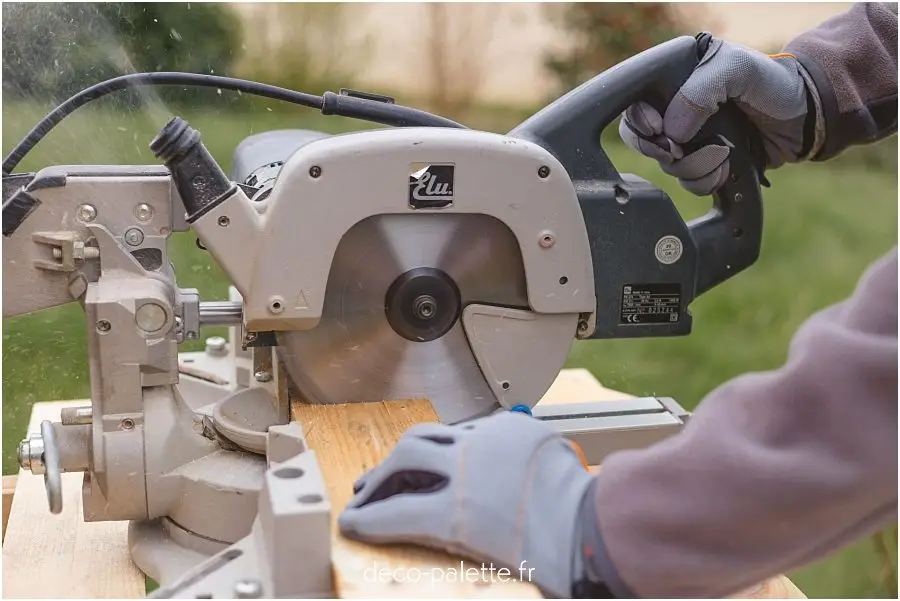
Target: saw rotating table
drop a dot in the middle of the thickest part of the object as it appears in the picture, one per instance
(62, 556)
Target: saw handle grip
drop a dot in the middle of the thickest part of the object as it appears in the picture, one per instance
(728, 238)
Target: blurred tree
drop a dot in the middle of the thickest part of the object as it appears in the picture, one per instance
(458, 37)
(602, 34)
(57, 49)
(307, 46)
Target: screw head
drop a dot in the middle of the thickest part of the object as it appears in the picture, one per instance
(143, 212)
(127, 424)
(86, 213)
(248, 589)
(224, 221)
(134, 237)
(546, 239)
(315, 171)
(543, 172)
(263, 376)
(276, 305)
(103, 326)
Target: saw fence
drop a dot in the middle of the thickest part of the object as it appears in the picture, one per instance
(61, 556)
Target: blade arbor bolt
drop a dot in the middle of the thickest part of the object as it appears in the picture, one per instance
(425, 307)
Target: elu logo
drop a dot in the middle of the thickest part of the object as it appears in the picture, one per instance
(430, 186)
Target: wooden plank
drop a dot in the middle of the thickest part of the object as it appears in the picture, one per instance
(350, 439)
(9, 489)
(61, 556)
(579, 386)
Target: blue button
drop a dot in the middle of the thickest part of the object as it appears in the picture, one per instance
(522, 409)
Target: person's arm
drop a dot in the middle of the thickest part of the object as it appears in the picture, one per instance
(852, 60)
(773, 471)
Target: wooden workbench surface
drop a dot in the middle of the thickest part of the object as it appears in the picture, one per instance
(61, 556)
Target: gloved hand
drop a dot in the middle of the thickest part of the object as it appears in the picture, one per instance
(775, 92)
(504, 490)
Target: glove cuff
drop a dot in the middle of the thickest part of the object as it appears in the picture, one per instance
(595, 575)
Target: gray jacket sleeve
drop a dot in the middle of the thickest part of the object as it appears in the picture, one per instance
(852, 60)
(774, 470)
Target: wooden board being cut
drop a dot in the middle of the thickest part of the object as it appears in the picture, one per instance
(349, 440)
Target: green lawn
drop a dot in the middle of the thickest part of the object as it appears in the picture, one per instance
(824, 224)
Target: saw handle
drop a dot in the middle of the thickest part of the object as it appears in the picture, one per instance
(728, 238)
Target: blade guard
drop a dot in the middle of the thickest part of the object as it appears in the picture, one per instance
(628, 218)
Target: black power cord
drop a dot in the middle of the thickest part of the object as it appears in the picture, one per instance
(355, 106)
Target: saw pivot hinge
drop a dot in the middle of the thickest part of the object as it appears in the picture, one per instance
(66, 248)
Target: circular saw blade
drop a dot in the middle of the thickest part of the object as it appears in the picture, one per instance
(355, 355)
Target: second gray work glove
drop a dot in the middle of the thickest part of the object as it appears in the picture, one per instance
(504, 490)
(773, 91)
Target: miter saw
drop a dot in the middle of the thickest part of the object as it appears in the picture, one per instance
(423, 260)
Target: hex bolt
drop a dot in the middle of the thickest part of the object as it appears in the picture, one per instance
(134, 237)
(546, 239)
(143, 212)
(263, 376)
(88, 252)
(248, 589)
(31, 454)
(86, 213)
(216, 345)
(24, 454)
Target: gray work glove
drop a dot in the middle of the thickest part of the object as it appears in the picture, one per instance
(773, 91)
(504, 490)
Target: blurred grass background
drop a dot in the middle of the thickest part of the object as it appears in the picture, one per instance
(824, 223)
